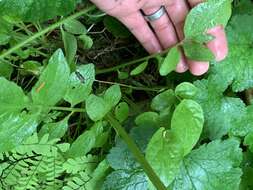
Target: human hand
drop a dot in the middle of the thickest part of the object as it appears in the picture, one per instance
(168, 29)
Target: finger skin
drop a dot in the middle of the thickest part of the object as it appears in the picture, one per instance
(219, 45)
(140, 29)
(163, 28)
(193, 3)
(177, 11)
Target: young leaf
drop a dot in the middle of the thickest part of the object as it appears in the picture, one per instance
(12, 97)
(75, 27)
(5, 70)
(164, 154)
(35, 10)
(70, 46)
(197, 51)
(186, 90)
(170, 62)
(80, 84)
(55, 130)
(53, 82)
(139, 69)
(163, 100)
(88, 140)
(206, 16)
(187, 123)
(97, 107)
(86, 41)
(212, 166)
(112, 95)
(121, 111)
(147, 117)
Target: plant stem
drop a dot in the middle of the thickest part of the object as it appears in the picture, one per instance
(136, 152)
(44, 31)
(111, 69)
(129, 86)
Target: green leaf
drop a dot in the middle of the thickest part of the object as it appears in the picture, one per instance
(98, 176)
(122, 75)
(89, 139)
(186, 90)
(206, 16)
(216, 107)
(116, 28)
(5, 70)
(74, 26)
(96, 107)
(164, 155)
(212, 166)
(237, 69)
(187, 123)
(36, 10)
(170, 62)
(128, 174)
(163, 100)
(14, 129)
(243, 125)
(12, 97)
(55, 130)
(70, 46)
(80, 84)
(249, 141)
(86, 41)
(53, 82)
(197, 51)
(121, 111)
(147, 118)
(112, 95)
(31, 67)
(126, 180)
(139, 69)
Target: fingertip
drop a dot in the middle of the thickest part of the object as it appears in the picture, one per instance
(219, 45)
(198, 68)
(182, 65)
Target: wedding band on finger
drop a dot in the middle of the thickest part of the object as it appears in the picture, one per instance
(156, 15)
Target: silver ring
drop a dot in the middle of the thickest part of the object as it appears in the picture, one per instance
(156, 15)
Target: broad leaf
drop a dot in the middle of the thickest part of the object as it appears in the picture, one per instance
(14, 129)
(36, 10)
(186, 90)
(112, 95)
(96, 107)
(12, 97)
(212, 166)
(205, 16)
(80, 84)
(164, 155)
(91, 138)
(163, 100)
(197, 51)
(187, 123)
(122, 111)
(53, 82)
(55, 130)
(75, 27)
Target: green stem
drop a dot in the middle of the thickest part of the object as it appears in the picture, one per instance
(129, 86)
(111, 69)
(136, 152)
(44, 31)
